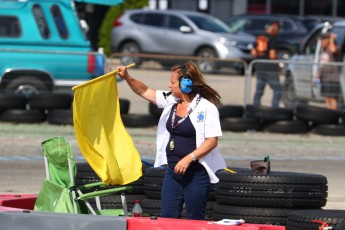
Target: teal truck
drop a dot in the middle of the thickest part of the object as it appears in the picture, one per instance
(43, 47)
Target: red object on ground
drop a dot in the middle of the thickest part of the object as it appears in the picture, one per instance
(17, 201)
(172, 224)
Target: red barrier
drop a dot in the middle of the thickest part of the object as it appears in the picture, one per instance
(173, 224)
(19, 201)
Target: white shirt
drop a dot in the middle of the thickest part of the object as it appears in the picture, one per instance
(205, 119)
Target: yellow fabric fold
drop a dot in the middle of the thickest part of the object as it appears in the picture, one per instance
(101, 135)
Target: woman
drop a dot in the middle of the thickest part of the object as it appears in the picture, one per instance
(329, 74)
(187, 137)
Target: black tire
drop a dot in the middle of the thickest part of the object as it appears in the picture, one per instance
(60, 117)
(272, 216)
(22, 116)
(239, 124)
(133, 49)
(86, 175)
(284, 54)
(27, 86)
(273, 190)
(294, 126)
(138, 120)
(265, 113)
(153, 182)
(317, 115)
(151, 207)
(47, 101)
(154, 110)
(12, 101)
(207, 66)
(230, 111)
(303, 219)
(124, 106)
(114, 201)
(330, 130)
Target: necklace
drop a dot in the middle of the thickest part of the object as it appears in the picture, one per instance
(174, 125)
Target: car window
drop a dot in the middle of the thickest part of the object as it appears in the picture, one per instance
(311, 44)
(9, 26)
(340, 39)
(59, 22)
(153, 19)
(255, 24)
(41, 21)
(310, 23)
(136, 17)
(175, 22)
(286, 25)
(209, 23)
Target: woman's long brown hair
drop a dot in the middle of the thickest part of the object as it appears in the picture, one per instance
(199, 84)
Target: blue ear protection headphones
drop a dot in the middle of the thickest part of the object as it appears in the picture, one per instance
(186, 82)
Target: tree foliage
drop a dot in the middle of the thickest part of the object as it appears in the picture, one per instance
(104, 34)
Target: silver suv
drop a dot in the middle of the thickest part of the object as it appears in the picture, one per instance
(177, 32)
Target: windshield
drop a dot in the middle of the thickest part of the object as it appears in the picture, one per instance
(209, 23)
(237, 25)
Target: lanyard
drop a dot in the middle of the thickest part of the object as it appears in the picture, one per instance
(173, 125)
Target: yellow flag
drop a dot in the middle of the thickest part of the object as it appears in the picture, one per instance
(101, 136)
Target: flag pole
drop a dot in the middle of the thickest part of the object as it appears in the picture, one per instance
(101, 77)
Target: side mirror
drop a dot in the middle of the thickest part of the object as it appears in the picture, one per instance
(185, 29)
(84, 25)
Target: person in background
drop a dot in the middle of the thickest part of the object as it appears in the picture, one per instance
(329, 74)
(267, 73)
(187, 139)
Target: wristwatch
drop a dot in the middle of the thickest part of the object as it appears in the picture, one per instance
(193, 157)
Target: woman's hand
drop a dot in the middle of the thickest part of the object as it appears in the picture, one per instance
(122, 72)
(182, 166)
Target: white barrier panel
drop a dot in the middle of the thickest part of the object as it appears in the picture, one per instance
(59, 221)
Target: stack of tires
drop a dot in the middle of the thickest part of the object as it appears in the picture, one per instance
(232, 119)
(86, 175)
(55, 108)
(321, 120)
(303, 118)
(260, 118)
(36, 108)
(267, 199)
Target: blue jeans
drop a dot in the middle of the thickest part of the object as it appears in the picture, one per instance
(272, 79)
(191, 189)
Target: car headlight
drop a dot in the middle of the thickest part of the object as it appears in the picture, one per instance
(226, 42)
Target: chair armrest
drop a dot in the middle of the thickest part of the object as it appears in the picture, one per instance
(104, 192)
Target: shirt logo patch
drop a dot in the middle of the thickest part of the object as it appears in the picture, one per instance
(201, 116)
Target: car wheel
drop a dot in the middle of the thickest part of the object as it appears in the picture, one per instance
(289, 94)
(27, 86)
(284, 54)
(207, 66)
(133, 49)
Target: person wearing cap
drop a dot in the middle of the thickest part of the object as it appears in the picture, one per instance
(267, 73)
(329, 74)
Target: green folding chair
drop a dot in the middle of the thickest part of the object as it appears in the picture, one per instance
(59, 193)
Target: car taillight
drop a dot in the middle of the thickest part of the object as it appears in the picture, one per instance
(91, 62)
(117, 23)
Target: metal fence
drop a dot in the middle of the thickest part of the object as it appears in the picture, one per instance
(299, 82)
